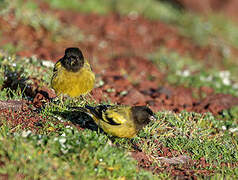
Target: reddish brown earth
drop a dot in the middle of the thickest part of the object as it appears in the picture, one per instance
(134, 79)
(180, 166)
(116, 47)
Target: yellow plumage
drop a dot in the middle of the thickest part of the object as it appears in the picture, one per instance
(72, 83)
(122, 117)
(120, 121)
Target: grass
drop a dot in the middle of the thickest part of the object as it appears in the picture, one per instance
(66, 149)
(22, 72)
(195, 135)
(195, 73)
(64, 153)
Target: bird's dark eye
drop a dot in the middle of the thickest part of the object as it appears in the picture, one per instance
(73, 61)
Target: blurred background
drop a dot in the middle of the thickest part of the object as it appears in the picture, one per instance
(151, 49)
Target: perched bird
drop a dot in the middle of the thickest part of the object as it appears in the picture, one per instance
(120, 120)
(72, 74)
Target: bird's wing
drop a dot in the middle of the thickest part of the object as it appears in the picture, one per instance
(113, 115)
(116, 115)
(57, 66)
(87, 65)
(55, 70)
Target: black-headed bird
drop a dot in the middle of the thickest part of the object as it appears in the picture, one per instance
(120, 120)
(72, 74)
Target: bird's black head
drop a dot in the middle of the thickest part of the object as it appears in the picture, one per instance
(142, 115)
(73, 59)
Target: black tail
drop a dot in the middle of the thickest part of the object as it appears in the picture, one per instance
(97, 111)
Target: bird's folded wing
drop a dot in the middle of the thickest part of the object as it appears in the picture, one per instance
(113, 117)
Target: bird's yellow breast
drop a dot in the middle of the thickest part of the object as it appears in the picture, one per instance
(126, 130)
(73, 83)
(122, 117)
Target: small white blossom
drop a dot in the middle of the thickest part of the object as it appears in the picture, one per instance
(207, 79)
(39, 142)
(62, 140)
(226, 81)
(47, 63)
(233, 129)
(223, 127)
(184, 73)
(26, 133)
(224, 74)
(64, 151)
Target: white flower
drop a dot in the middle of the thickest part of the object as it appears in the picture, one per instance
(207, 79)
(39, 142)
(47, 63)
(233, 129)
(225, 77)
(224, 74)
(184, 73)
(226, 81)
(64, 151)
(62, 141)
(223, 127)
(26, 133)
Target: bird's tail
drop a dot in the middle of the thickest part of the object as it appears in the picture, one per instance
(94, 112)
(84, 110)
(97, 111)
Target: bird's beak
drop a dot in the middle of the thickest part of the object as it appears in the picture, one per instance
(152, 118)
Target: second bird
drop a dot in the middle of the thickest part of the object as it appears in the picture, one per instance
(72, 74)
(120, 120)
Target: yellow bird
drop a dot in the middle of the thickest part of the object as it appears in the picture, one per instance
(72, 74)
(120, 120)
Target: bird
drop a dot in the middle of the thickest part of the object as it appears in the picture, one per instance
(72, 74)
(120, 120)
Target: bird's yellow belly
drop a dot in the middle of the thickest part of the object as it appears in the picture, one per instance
(126, 131)
(73, 83)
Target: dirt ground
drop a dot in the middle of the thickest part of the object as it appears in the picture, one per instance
(118, 45)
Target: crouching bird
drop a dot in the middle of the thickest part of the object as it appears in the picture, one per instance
(120, 120)
(72, 74)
